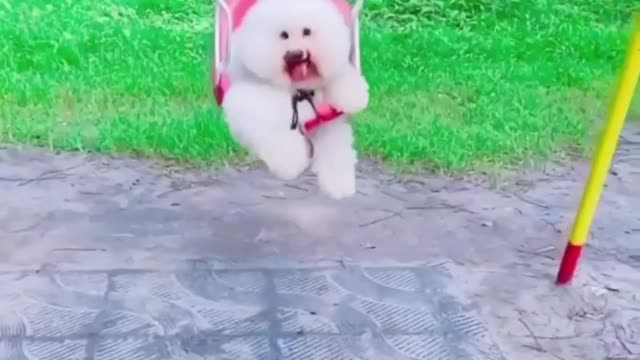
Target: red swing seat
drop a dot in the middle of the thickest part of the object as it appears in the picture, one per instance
(230, 15)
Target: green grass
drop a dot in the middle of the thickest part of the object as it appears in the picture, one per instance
(455, 83)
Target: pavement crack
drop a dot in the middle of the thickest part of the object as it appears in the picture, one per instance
(536, 340)
(59, 174)
(379, 220)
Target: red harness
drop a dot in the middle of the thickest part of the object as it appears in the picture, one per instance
(324, 114)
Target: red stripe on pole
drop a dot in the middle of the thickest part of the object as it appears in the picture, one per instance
(569, 264)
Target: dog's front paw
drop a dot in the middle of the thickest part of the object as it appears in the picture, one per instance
(288, 161)
(349, 93)
(287, 169)
(337, 185)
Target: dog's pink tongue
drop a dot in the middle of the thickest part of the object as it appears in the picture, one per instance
(299, 72)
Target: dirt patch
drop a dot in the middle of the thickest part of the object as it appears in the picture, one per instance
(72, 212)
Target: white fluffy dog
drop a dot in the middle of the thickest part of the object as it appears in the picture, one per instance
(284, 46)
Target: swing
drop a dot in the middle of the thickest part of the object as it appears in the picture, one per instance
(229, 17)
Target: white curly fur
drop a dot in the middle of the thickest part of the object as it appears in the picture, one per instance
(258, 109)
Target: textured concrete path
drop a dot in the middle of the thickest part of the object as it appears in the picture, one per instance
(112, 259)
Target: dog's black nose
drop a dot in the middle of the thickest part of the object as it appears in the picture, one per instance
(294, 56)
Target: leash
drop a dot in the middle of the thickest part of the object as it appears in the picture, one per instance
(299, 96)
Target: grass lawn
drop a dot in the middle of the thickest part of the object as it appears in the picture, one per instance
(455, 83)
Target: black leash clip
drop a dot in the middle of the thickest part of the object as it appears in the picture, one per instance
(299, 96)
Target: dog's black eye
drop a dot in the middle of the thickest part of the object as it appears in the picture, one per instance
(284, 35)
(306, 32)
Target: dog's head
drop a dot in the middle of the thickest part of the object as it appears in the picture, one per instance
(297, 43)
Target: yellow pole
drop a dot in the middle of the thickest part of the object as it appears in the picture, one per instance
(603, 157)
(607, 148)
